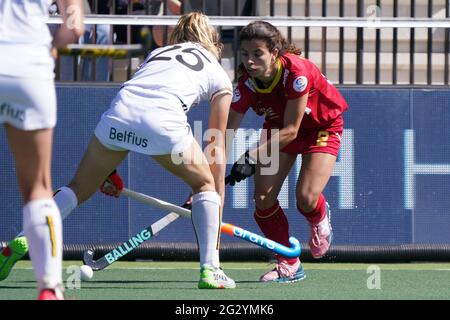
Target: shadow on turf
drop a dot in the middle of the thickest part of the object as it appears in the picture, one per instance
(139, 281)
(16, 287)
(116, 281)
(156, 281)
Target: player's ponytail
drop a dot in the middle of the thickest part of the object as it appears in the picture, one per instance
(194, 27)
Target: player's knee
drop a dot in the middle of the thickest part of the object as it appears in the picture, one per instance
(203, 183)
(307, 201)
(263, 201)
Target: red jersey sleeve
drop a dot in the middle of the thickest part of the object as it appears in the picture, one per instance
(298, 81)
(243, 97)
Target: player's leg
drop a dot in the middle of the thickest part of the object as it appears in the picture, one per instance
(32, 106)
(272, 220)
(100, 159)
(95, 166)
(41, 218)
(97, 163)
(314, 175)
(206, 212)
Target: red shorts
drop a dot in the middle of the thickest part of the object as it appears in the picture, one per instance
(325, 139)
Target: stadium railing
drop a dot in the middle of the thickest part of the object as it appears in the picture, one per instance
(377, 42)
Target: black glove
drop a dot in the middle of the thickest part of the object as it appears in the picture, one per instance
(242, 169)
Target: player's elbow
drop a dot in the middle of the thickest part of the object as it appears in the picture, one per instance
(67, 35)
(78, 32)
(290, 134)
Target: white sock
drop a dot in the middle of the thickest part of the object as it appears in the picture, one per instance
(66, 200)
(206, 221)
(43, 229)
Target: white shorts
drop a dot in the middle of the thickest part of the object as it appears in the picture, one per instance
(26, 103)
(137, 124)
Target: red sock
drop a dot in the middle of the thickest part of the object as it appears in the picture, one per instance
(315, 216)
(6, 252)
(274, 225)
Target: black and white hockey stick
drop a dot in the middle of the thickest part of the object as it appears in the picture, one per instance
(129, 245)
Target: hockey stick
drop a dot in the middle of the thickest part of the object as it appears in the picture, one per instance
(129, 245)
(150, 231)
(292, 252)
(132, 243)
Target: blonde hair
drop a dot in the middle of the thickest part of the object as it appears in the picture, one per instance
(194, 27)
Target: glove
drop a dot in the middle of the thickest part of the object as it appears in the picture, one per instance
(188, 203)
(242, 169)
(113, 185)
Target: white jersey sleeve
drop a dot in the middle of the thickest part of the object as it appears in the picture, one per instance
(219, 82)
(186, 73)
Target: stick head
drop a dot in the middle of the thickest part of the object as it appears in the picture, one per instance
(296, 248)
(88, 259)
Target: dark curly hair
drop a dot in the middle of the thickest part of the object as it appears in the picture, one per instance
(264, 31)
(268, 33)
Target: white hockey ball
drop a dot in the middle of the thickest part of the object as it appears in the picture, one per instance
(86, 273)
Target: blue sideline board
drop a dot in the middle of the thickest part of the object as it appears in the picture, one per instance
(390, 184)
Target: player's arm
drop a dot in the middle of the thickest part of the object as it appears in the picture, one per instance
(73, 23)
(234, 122)
(220, 107)
(293, 115)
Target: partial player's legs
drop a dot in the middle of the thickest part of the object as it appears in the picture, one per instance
(97, 163)
(95, 166)
(14, 251)
(273, 222)
(41, 217)
(314, 175)
(206, 213)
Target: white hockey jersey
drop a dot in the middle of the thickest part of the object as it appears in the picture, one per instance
(25, 40)
(185, 71)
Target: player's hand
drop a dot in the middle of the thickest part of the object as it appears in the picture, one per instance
(242, 169)
(113, 185)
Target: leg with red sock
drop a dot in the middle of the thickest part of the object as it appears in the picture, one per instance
(321, 233)
(274, 225)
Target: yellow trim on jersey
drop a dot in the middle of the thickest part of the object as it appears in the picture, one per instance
(52, 235)
(274, 82)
